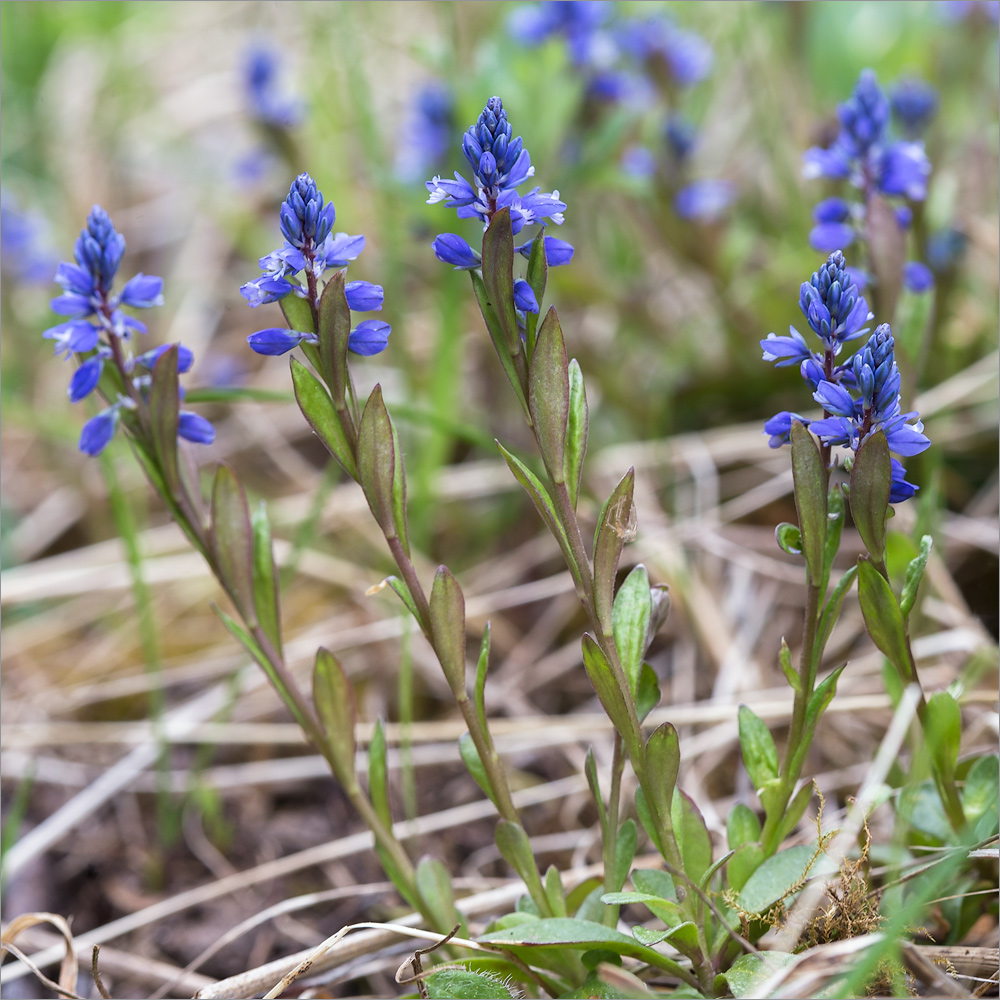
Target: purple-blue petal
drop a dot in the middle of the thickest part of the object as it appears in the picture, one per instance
(98, 432)
(834, 398)
(85, 378)
(524, 297)
(830, 236)
(369, 337)
(143, 292)
(275, 340)
(917, 277)
(452, 249)
(71, 304)
(193, 427)
(363, 296)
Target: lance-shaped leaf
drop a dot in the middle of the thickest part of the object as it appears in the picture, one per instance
(577, 427)
(541, 499)
(515, 848)
(794, 811)
(914, 574)
(943, 731)
(164, 413)
(482, 668)
(333, 696)
(548, 394)
(537, 272)
(760, 755)
(616, 526)
(554, 892)
(742, 826)
(831, 610)
(625, 851)
(380, 469)
(614, 700)
(871, 483)
(469, 753)
(883, 618)
(647, 697)
(513, 364)
(692, 836)
(630, 616)
(498, 276)
(232, 542)
(265, 578)
(318, 409)
(447, 608)
(399, 588)
(378, 775)
(809, 478)
(822, 697)
(297, 313)
(434, 886)
(663, 758)
(334, 333)
(649, 824)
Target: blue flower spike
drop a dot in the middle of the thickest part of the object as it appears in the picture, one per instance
(310, 250)
(100, 334)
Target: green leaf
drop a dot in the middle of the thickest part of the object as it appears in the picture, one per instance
(810, 480)
(333, 696)
(646, 819)
(498, 276)
(548, 394)
(297, 313)
(760, 755)
(831, 610)
(920, 806)
(663, 758)
(692, 836)
(577, 427)
(515, 849)
(164, 413)
(462, 984)
(625, 851)
(871, 482)
(749, 972)
(554, 891)
(794, 811)
(447, 609)
(745, 861)
(980, 794)
(617, 524)
(654, 882)
(781, 875)
(742, 826)
(513, 366)
(665, 909)
(536, 275)
(822, 697)
(612, 697)
(581, 935)
(265, 578)
(378, 775)
(883, 618)
(943, 731)
(590, 769)
(541, 499)
(434, 886)
(789, 538)
(914, 574)
(400, 589)
(834, 529)
(319, 411)
(482, 668)
(791, 674)
(648, 695)
(380, 469)
(469, 753)
(334, 333)
(232, 542)
(630, 616)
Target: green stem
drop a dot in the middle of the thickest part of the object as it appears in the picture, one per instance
(610, 845)
(799, 740)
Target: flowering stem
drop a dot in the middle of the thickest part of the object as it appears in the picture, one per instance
(610, 845)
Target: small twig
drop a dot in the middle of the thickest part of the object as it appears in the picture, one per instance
(43, 979)
(418, 970)
(96, 973)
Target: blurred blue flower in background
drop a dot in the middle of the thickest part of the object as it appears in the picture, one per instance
(24, 248)
(267, 100)
(426, 132)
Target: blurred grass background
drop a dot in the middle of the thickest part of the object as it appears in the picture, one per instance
(142, 107)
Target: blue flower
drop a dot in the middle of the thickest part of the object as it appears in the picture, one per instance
(917, 277)
(577, 20)
(500, 165)
(829, 236)
(426, 132)
(686, 56)
(680, 135)
(24, 246)
(524, 297)
(704, 200)
(914, 104)
(780, 427)
(98, 431)
(277, 340)
(265, 97)
(193, 427)
(370, 336)
(875, 407)
(832, 305)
